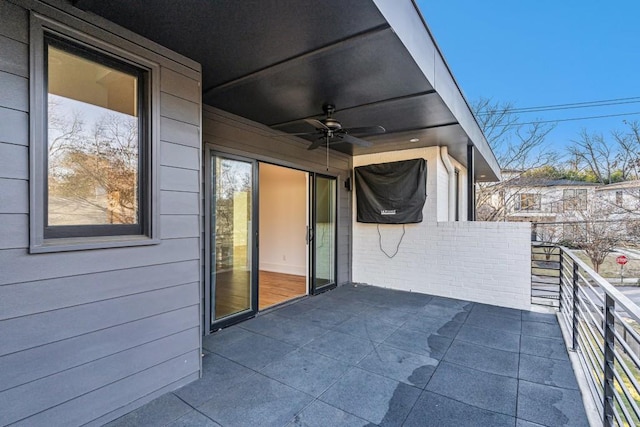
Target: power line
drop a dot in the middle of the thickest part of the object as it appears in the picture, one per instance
(601, 103)
(568, 120)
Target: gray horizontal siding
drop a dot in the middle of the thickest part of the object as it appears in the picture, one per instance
(13, 20)
(86, 318)
(14, 92)
(179, 132)
(26, 267)
(179, 85)
(26, 366)
(178, 202)
(254, 140)
(18, 132)
(240, 136)
(86, 334)
(12, 54)
(89, 406)
(179, 226)
(9, 239)
(180, 156)
(14, 161)
(55, 294)
(177, 179)
(180, 109)
(14, 197)
(63, 386)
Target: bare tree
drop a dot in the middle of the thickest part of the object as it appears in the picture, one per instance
(595, 232)
(93, 163)
(608, 158)
(518, 148)
(596, 154)
(549, 235)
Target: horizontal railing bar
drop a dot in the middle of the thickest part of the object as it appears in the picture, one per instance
(626, 392)
(632, 355)
(592, 352)
(627, 371)
(626, 413)
(632, 309)
(628, 328)
(593, 321)
(593, 304)
(595, 383)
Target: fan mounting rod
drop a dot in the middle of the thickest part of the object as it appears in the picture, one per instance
(329, 121)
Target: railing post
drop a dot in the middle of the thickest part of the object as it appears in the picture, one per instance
(609, 360)
(574, 279)
(560, 278)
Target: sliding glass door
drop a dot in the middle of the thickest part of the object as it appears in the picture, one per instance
(232, 244)
(323, 245)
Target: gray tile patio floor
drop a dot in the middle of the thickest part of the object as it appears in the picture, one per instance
(364, 356)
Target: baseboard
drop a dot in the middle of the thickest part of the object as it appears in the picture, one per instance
(283, 268)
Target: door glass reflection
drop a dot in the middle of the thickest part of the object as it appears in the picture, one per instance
(325, 232)
(232, 222)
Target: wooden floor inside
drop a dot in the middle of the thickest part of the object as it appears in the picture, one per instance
(276, 288)
(233, 290)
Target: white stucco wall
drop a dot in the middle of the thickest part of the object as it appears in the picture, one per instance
(486, 262)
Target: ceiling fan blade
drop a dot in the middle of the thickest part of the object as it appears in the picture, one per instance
(368, 130)
(317, 124)
(355, 141)
(318, 143)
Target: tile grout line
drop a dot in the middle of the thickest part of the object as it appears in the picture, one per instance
(192, 407)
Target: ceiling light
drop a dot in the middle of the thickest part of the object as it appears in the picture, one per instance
(483, 176)
(414, 140)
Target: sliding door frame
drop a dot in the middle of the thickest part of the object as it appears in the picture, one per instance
(212, 150)
(313, 253)
(209, 205)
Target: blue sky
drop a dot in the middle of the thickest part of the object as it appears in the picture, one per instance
(544, 52)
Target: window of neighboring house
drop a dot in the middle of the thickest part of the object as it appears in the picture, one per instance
(92, 144)
(619, 198)
(574, 199)
(528, 202)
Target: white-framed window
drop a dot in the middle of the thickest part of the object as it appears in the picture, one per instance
(528, 202)
(92, 120)
(574, 199)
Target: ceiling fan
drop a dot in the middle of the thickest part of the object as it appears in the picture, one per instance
(329, 131)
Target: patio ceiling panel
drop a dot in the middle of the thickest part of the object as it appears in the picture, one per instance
(347, 74)
(275, 62)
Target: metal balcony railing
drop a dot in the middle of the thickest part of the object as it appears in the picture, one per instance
(545, 275)
(604, 328)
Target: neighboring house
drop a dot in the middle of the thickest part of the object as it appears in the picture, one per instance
(624, 196)
(133, 139)
(546, 200)
(623, 201)
(570, 204)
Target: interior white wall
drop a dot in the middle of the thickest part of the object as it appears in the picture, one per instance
(283, 219)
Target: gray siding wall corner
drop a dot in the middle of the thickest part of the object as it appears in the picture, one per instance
(86, 336)
(231, 134)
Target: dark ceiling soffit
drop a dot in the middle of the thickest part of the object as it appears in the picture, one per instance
(355, 107)
(286, 62)
(441, 125)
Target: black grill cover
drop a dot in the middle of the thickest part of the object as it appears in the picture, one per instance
(391, 193)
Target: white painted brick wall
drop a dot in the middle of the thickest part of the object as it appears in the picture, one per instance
(486, 262)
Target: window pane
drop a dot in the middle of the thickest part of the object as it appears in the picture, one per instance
(93, 143)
